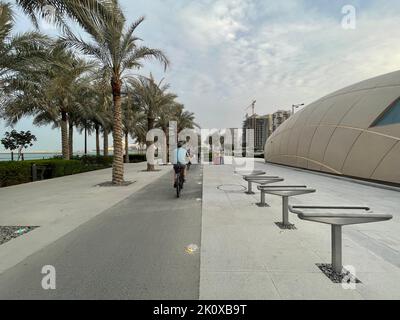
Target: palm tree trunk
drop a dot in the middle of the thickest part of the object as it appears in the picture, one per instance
(118, 163)
(166, 143)
(105, 143)
(150, 123)
(126, 147)
(97, 140)
(64, 135)
(150, 126)
(71, 138)
(85, 139)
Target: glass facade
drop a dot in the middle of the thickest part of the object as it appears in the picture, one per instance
(391, 116)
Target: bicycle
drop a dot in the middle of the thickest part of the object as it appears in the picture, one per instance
(179, 178)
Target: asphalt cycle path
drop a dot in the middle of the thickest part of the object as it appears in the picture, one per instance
(145, 247)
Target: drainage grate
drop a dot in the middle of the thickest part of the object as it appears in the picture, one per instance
(110, 184)
(232, 188)
(280, 225)
(9, 233)
(345, 277)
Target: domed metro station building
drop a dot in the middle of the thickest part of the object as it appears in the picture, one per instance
(352, 132)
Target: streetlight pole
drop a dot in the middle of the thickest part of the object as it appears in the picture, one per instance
(296, 106)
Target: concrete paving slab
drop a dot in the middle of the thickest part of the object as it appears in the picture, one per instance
(61, 205)
(310, 286)
(223, 250)
(133, 250)
(378, 286)
(239, 237)
(238, 286)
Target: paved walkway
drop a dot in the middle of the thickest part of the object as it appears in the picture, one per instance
(129, 243)
(60, 205)
(245, 256)
(134, 250)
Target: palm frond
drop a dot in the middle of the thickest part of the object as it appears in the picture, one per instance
(6, 21)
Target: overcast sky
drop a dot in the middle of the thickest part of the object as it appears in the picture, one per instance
(225, 53)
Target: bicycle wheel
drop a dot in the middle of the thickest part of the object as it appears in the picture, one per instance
(178, 185)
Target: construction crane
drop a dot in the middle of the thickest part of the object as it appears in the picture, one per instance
(253, 112)
(253, 107)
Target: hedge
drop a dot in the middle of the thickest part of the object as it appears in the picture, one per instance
(95, 160)
(13, 172)
(135, 158)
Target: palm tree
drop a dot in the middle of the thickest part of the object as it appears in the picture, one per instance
(18, 52)
(164, 118)
(87, 13)
(132, 118)
(152, 97)
(82, 101)
(93, 112)
(185, 120)
(105, 116)
(47, 92)
(116, 49)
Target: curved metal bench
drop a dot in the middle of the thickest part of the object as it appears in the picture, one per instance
(262, 189)
(286, 193)
(337, 217)
(262, 180)
(249, 173)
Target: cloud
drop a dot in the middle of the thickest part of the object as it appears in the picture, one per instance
(225, 53)
(279, 53)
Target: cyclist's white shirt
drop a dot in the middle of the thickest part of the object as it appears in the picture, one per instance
(179, 156)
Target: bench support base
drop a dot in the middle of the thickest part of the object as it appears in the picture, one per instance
(249, 188)
(337, 264)
(263, 204)
(285, 211)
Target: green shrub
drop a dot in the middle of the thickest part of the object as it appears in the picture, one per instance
(60, 168)
(95, 160)
(136, 158)
(13, 172)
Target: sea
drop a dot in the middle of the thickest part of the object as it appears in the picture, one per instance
(44, 156)
(32, 156)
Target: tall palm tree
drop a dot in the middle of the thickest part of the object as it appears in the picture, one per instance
(185, 120)
(152, 97)
(18, 52)
(82, 100)
(94, 109)
(164, 118)
(87, 13)
(132, 118)
(104, 101)
(49, 91)
(116, 48)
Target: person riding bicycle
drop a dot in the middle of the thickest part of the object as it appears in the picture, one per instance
(179, 161)
(189, 154)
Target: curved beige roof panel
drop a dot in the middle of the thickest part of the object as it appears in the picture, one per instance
(353, 132)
